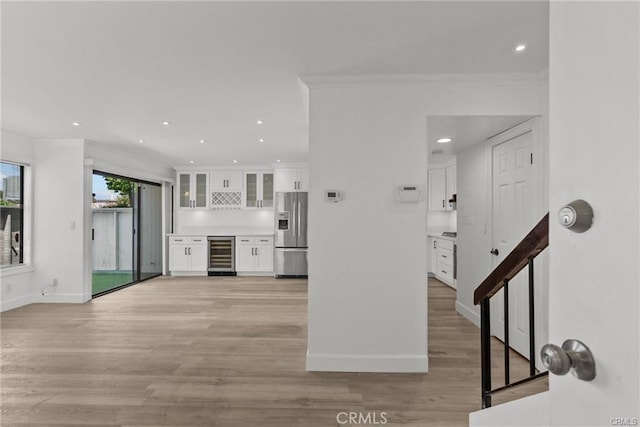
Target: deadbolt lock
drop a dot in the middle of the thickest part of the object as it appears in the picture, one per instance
(576, 216)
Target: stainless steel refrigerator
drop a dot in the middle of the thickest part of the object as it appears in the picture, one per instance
(291, 234)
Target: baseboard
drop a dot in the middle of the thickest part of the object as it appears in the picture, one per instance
(15, 303)
(469, 314)
(59, 298)
(364, 363)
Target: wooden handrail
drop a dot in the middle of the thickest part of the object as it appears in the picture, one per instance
(532, 244)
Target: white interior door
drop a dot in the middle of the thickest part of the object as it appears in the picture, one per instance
(512, 218)
(594, 289)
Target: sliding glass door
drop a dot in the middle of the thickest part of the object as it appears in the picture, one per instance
(127, 231)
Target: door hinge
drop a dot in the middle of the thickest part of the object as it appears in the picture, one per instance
(531, 158)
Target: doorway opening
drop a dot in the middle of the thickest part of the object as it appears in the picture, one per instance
(126, 232)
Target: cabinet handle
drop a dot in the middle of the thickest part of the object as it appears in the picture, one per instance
(189, 251)
(256, 251)
(434, 245)
(443, 203)
(443, 256)
(185, 251)
(444, 272)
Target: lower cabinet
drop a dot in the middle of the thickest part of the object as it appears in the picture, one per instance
(254, 254)
(442, 260)
(187, 255)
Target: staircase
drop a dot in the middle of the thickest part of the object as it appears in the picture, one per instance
(521, 256)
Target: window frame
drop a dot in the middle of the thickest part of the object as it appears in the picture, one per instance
(26, 217)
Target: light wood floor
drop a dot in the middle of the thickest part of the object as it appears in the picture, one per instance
(218, 351)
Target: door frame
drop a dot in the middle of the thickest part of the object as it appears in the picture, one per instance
(540, 176)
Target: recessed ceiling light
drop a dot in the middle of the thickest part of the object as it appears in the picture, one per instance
(520, 47)
(191, 161)
(166, 123)
(202, 141)
(444, 140)
(75, 124)
(259, 122)
(141, 141)
(261, 140)
(278, 160)
(235, 161)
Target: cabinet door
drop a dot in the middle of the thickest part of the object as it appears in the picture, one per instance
(264, 258)
(234, 180)
(267, 190)
(198, 257)
(450, 185)
(179, 258)
(245, 258)
(251, 196)
(200, 190)
(437, 182)
(303, 179)
(218, 180)
(286, 179)
(184, 190)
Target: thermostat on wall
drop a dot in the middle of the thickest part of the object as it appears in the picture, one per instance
(408, 193)
(333, 196)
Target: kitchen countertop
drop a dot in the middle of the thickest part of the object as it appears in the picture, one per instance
(225, 231)
(440, 236)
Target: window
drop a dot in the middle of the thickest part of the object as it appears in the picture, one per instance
(11, 214)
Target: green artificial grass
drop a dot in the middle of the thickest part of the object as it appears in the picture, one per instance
(104, 281)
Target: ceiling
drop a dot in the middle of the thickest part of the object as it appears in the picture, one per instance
(464, 132)
(213, 69)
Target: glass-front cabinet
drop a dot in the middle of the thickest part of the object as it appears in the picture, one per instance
(192, 187)
(258, 190)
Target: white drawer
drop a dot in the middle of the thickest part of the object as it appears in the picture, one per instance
(184, 240)
(445, 271)
(445, 256)
(264, 240)
(445, 244)
(245, 240)
(254, 240)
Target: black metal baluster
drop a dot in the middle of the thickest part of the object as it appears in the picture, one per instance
(532, 327)
(485, 352)
(506, 332)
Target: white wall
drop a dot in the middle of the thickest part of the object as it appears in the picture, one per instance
(16, 282)
(60, 205)
(441, 221)
(189, 221)
(367, 257)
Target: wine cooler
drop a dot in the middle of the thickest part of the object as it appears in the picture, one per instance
(222, 254)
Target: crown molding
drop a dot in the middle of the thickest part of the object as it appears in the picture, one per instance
(419, 80)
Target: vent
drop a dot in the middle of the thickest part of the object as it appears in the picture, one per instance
(437, 151)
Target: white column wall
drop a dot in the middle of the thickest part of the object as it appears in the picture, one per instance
(367, 257)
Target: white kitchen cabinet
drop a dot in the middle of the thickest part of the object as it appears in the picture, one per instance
(442, 187)
(226, 180)
(431, 256)
(443, 261)
(192, 190)
(254, 254)
(258, 190)
(187, 255)
(226, 189)
(292, 179)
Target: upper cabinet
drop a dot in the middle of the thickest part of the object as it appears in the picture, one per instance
(442, 188)
(226, 180)
(226, 189)
(192, 189)
(292, 179)
(258, 190)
